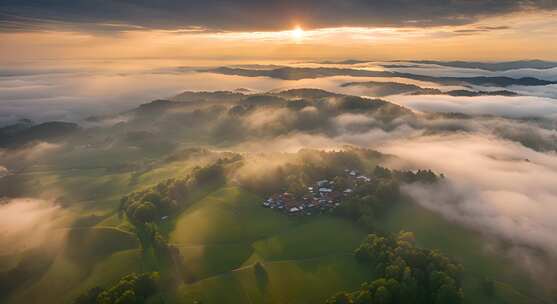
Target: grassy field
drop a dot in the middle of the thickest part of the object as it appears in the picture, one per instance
(92, 256)
(310, 280)
(228, 215)
(96, 184)
(306, 259)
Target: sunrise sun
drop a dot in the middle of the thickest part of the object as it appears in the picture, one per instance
(297, 33)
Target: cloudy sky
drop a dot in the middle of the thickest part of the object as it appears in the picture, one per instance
(218, 29)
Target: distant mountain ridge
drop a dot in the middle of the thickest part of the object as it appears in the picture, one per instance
(494, 66)
(296, 73)
(488, 66)
(393, 88)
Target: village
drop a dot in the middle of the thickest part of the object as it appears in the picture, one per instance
(325, 195)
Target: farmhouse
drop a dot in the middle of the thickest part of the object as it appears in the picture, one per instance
(364, 178)
(322, 183)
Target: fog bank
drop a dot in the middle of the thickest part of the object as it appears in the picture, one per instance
(27, 223)
(493, 185)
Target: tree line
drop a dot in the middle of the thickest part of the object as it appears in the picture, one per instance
(169, 196)
(405, 274)
(372, 200)
(131, 289)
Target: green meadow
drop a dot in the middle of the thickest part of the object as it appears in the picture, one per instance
(224, 234)
(92, 256)
(305, 258)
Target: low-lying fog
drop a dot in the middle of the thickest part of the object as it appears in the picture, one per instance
(515, 107)
(30, 223)
(491, 184)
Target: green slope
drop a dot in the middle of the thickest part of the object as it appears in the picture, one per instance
(225, 234)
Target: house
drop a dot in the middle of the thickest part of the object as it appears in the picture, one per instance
(364, 178)
(322, 183)
(353, 173)
(348, 191)
(325, 190)
(335, 195)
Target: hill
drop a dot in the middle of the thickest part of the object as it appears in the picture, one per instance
(23, 133)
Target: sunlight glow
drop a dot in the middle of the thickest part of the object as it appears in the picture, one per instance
(297, 33)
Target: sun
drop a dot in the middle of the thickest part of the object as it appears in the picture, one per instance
(297, 33)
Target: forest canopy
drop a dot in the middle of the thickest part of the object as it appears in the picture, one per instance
(405, 274)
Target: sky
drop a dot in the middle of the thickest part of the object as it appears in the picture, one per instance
(278, 30)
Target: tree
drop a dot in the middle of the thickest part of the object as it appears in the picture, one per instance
(488, 287)
(210, 174)
(340, 298)
(144, 212)
(130, 289)
(341, 182)
(262, 279)
(128, 297)
(382, 296)
(89, 297)
(382, 172)
(408, 274)
(146, 284)
(259, 269)
(295, 185)
(448, 294)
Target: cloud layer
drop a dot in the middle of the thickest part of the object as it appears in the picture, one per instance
(493, 185)
(515, 107)
(249, 14)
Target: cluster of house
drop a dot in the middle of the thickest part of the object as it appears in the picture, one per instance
(323, 196)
